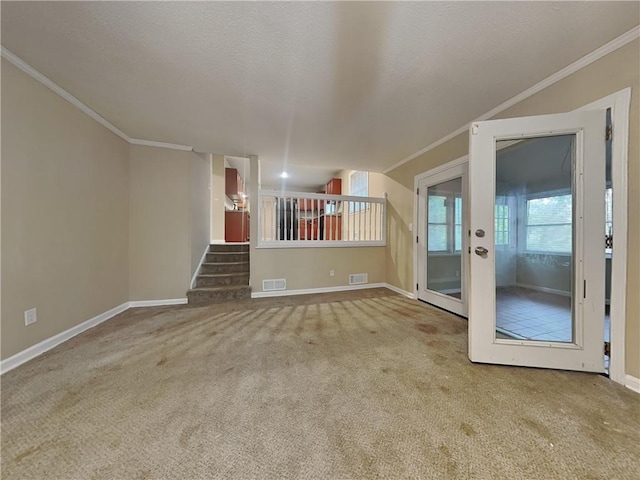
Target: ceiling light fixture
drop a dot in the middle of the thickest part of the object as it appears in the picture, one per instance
(284, 175)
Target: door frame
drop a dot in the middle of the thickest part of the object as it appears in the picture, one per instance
(459, 170)
(416, 198)
(620, 103)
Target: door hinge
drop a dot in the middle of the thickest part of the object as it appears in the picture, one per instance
(417, 287)
(417, 240)
(418, 191)
(608, 132)
(607, 349)
(585, 289)
(608, 241)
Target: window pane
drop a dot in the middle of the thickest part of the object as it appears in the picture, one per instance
(437, 212)
(549, 238)
(533, 196)
(501, 222)
(549, 210)
(358, 184)
(458, 211)
(437, 238)
(458, 238)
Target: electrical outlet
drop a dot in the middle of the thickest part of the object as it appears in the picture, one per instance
(332, 273)
(30, 316)
(411, 227)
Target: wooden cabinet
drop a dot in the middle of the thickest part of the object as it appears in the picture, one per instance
(334, 187)
(332, 227)
(311, 205)
(236, 226)
(234, 186)
(309, 229)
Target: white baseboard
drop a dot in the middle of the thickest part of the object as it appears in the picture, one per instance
(632, 383)
(544, 289)
(552, 290)
(195, 274)
(38, 349)
(307, 291)
(158, 303)
(400, 291)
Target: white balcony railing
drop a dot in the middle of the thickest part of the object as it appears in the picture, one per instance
(292, 219)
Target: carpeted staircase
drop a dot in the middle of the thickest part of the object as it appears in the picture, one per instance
(223, 276)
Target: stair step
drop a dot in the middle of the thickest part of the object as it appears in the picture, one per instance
(221, 279)
(201, 296)
(228, 247)
(226, 267)
(227, 257)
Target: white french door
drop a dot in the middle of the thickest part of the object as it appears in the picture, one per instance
(442, 238)
(537, 257)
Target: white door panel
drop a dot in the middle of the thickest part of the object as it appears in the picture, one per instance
(537, 253)
(442, 239)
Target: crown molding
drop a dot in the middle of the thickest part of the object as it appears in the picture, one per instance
(588, 59)
(151, 143)
(47, 82)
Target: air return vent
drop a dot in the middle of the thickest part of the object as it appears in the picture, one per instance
(274, 284)
(357, 278)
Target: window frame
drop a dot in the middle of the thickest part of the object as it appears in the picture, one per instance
(525, 224)
(355, 207)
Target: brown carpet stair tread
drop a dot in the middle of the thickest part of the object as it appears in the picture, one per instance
(207, 264)
(223, 276)
(220, 288)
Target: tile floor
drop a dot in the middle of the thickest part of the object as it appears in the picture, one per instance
(525, 313)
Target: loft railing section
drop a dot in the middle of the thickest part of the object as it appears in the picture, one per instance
(297, 219)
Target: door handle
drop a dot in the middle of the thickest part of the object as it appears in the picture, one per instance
(481, 251)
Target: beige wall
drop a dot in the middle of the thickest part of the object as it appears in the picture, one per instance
(309, 267)
(65, 225)
(159, 232)
(199, 207)
(218, 196)
(614, 72)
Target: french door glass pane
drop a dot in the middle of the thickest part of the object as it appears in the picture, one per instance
(534, 238)
(444, 237)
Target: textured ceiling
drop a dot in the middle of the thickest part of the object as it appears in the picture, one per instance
(329, 85)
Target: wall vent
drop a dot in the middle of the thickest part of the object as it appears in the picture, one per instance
(357, 278)
(274, 284)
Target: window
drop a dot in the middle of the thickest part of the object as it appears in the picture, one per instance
(444, 223)
(549, 224)
(501, 220)
(457, 224)
(358, 187)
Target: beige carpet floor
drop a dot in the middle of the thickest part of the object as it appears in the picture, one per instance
(363, 384)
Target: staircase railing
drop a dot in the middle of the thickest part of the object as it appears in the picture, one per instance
(298, 219)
